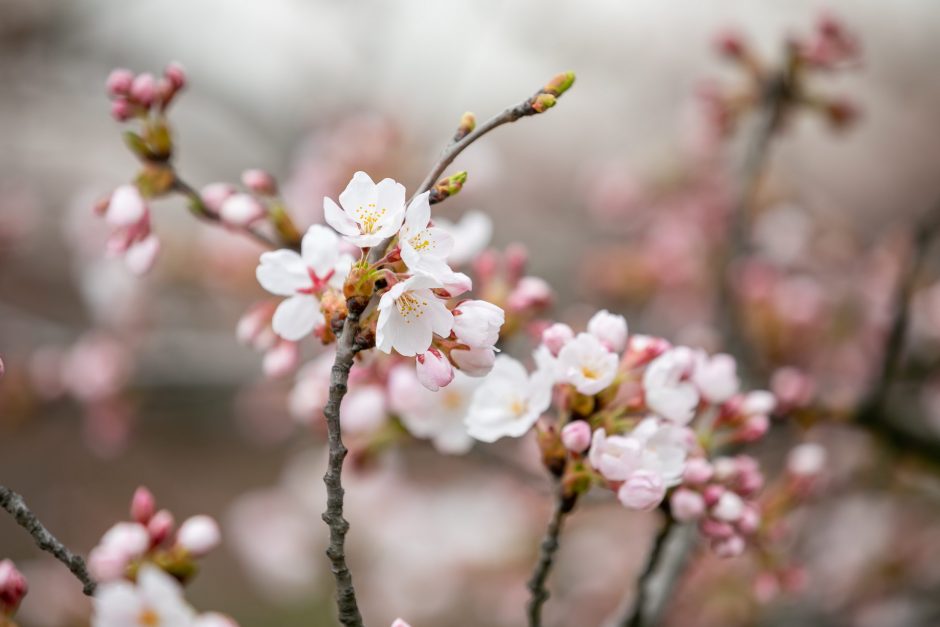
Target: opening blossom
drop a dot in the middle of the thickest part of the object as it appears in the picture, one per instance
(127, 213)
(668, 391)
(301, 277)
(508, 402)
(156, 600)
(370, 212)
(587, 364)
(409, 316)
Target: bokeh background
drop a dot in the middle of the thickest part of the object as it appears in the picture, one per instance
(313, 90)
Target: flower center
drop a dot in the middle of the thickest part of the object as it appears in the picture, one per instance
(517, 408)
(368, 216)
(590, 373)
(410, 306)
(317, 283)
(148, 618)
(421, 241)
(452, 399)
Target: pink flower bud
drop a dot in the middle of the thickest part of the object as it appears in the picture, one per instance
(749, 522)
(715, 529)
(576, 436)
(142, 254)
(730, 44)
(686, 505)
(106, 564)
(199, 535)
(806, 460)
(126, 538)
(259, 182)
(400, 623)
(281, 359)
(122, 110)
(712, 493)
(456, 284)
(530, 293)
(643, 490)
(516, 258)
(144, 89)
(697, 471)
(729, 507)
(160, 526)
(214, 194)
(433, 370)
(753, 429)
(126, 207)
(766, 587)
(476, 362)
(643, 349)
(556, 336)
(484, 266)
(792, 387)
(176, 75)
(13, 587)
(732, 546)
(143, 505)
(610, 329)
(242, 210)
(726, 468)
(119, 81)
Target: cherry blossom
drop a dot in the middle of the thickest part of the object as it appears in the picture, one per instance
(715, 377)
(13, 587)
(370, 212)
(667, 390)
(437, 416)
(128, 214)
(587, 365)
(424, 248)
(301, 277)
(610, 329)
(433, 370)
(409, 316)
(477, 323)
(155, 600)
(199, 535)
(508, 402)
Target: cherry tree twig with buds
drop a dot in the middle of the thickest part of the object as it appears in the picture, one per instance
(563, 506)
(25, 518)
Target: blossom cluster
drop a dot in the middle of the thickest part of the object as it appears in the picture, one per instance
(141, 564)
(415, 315)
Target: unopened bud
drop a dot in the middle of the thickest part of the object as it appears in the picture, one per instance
(144, 89)
(730, 44)
(445, 188)
(160, 526)
(260, 182)
(176, 75)
(576, 436)
(433, 370)
(143, 505)
(543, 102)
(13, 587)
(468, 122)
(122, 110)
(199, 535)
(559, 84)
(119, 82)
(242, 210)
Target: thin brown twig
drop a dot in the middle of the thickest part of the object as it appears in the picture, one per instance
(563, 505)
(25, 518)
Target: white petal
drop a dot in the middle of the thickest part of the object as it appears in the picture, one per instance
(296, 317)
(418, 213)
(390, 196)
(320, 249)
(282, 272)
(359, 193)
(408, 339)
(338, 219)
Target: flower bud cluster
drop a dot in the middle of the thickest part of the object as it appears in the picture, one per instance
(135, 95)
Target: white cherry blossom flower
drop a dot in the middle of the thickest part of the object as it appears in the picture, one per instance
(409, 316)
(436, 416)
(508, 402)
(424, 248)
(370, 212)
(586, 364)
(155, 601)
(667, 390)
(716, 377)
(610, 329)
(300, 277)
(651, 446)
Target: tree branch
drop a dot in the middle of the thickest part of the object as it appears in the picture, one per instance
(547, 550)
(333, 516)
(25, 518)
(667, 560)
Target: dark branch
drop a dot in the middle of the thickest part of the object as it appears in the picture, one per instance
(563, 505)
(25, 518)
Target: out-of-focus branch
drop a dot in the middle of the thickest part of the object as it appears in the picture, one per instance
(204, 212)
(873, 412)
(775, 98)
(563, 505)
(25, 518)
(667, 560)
